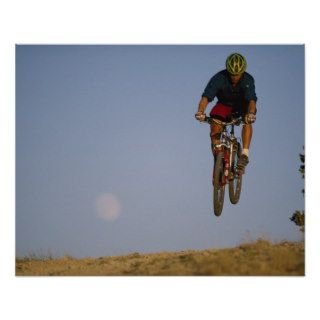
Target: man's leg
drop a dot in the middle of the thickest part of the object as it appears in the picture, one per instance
(246, 139)
(220, 112)
(215, 135)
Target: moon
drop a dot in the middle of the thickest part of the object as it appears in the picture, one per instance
(108, 207)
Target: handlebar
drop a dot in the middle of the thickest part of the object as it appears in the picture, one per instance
(235, 121)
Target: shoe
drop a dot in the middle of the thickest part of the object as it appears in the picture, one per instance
(242, 163)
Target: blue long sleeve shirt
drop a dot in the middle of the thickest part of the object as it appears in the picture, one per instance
(237, 97)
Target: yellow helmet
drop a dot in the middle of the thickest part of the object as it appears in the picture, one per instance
(236, 64)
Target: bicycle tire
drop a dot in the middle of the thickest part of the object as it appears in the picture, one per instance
(235, 184)
(218, 185)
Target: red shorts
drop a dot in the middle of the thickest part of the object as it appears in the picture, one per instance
(220, 111)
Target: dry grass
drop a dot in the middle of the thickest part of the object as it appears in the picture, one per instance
(256, 258)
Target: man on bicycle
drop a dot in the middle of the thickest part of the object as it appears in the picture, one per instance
(235, 91)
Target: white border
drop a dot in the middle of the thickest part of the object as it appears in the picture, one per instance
(161, 22)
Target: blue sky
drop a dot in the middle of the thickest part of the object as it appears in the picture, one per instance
(110, 160)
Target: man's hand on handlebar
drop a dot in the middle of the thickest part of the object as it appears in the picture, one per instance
(249, 118)
(200, 116)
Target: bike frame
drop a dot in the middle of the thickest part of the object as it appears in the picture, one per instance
(224, 169)
(227, 140)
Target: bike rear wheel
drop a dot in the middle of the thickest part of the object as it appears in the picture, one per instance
(218, 184)
(235, 182)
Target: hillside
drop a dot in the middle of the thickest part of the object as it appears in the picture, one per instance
(257, 258)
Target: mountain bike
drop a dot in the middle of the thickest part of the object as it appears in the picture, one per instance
(226, 154)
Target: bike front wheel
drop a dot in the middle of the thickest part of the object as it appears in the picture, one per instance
(235, 182)
(218, 184)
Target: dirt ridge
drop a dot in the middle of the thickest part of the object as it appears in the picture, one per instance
(258, 258)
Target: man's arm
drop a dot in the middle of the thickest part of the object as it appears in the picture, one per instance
(250, 117)
(250, 94)
(203, 104)
(207, 96)
(252, 107)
